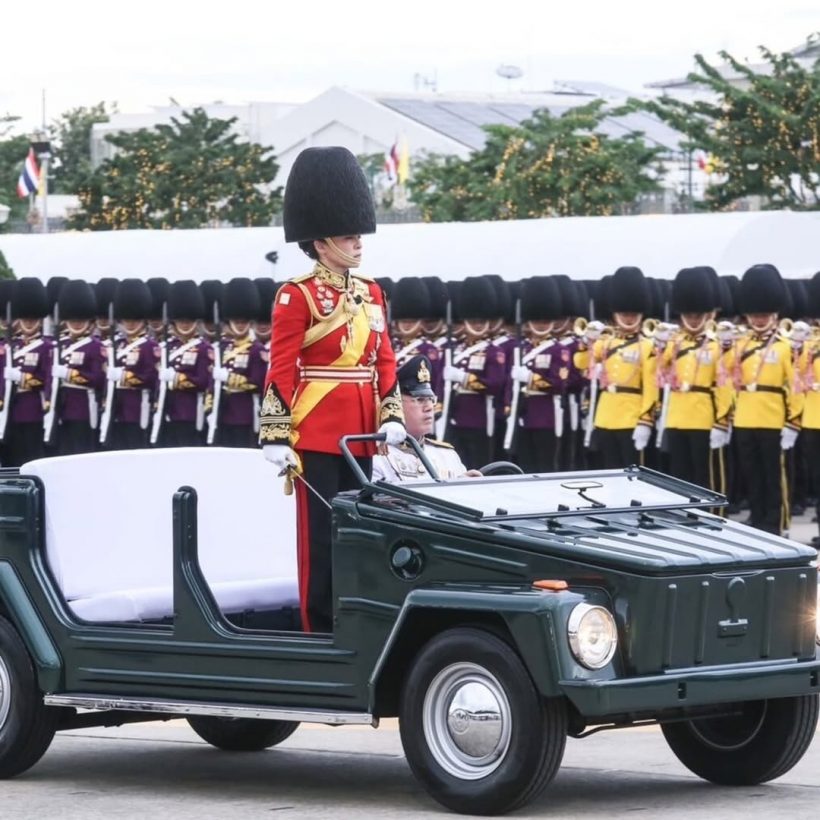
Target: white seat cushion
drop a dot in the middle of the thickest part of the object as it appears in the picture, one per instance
(109, 537)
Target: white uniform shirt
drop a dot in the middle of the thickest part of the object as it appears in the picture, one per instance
(401, 464)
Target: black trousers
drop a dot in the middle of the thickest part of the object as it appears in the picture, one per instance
(180, 434)
(126, 436)
(689, 456)
(616, 448)
(328, 474)
(236, 435)
(75, 437)
(761, 461)
(22, 442)
(474, 446)
(536, 450)
(812, 446)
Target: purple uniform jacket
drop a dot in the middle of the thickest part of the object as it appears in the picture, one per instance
(33, 357)
(85, 360)
(192, 360)
(139, 359)
(536, 410)
(486, 367)
(247, 363)
(508, 345)
(2, 368)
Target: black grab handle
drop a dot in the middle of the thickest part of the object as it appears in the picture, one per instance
(377, 438)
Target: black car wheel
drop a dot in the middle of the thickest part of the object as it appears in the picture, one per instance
(242, 734)
(476, 732)
(26, 726)
(760, 742)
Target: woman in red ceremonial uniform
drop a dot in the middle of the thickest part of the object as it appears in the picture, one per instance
(332, 369)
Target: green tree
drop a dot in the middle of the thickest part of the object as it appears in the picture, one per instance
(13, 150)
(71, 146)
(5, 269)
(545, 166)
(762, 134)
(192, 173)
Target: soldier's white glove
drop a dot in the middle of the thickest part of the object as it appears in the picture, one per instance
(521, 374)
(788, 437)
(640, 436)
(114, 374)
(455, 374)
(394, 432)
(280, 455)
(59, 371)
(719, 437)
(221, 374)
(593, 331)
(13, 374)
(168, 375)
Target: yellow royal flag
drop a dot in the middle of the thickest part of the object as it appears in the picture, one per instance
(403, 170)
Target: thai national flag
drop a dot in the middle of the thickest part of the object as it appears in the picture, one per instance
(29, 180)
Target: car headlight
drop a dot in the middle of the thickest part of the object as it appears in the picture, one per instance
(817, 617)
(593, 635)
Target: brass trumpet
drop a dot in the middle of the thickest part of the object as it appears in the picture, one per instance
(590, 331)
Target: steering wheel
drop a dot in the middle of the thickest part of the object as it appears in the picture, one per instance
(501, 468)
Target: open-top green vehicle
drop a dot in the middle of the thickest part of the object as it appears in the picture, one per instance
(494, 616)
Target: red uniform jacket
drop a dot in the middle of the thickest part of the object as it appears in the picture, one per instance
(332, 369)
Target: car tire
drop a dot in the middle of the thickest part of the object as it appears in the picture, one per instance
(475, 730)
(242, 734)
(763, 741)
(27, 726)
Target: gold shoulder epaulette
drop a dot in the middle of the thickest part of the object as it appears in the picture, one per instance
(437, 443)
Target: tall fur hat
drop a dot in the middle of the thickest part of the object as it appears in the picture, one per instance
(29, 299)
(104, 291)
(569, 295)
(410, 299)
(476, 299)
(627, 291)
(327, 195)
(185, 301)
(438, 296)
(5, 295)
(212, 290)
(799, 298)
(761, 290)
(813, 291)
(77, 301)
(53, 288)
(693, 291)
(240, 300)
(504, 302)
(160, 288)
(266, 288)
(541, 299)
(132, 300)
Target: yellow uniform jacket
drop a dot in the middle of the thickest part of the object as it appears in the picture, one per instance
(809, 375)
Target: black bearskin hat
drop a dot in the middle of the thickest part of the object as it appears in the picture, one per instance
(541, 299)
(266, 288)
(627, 292)
(77, 302)
(159, 287)
(240, 300)
(439, 295)
(5, 295)
(29, 299)
(475, 299)
(799, 298)
(569, 295)
(212, 290)
(327, 195)
(504, 303)
(813, 289)
(410, 299)
(693, 291)
(387, 285)
(582, 297)
(185, 301)
(53, 288)
(761, 290)
(104, 291)
(132, 300)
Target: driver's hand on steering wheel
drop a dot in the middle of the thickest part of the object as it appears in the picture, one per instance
(473, 474)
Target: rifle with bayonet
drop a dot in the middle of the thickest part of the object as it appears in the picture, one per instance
(51, 415)
(162, 392)
(512, 419)
(213, 419)
(9, 384)
(111, 385)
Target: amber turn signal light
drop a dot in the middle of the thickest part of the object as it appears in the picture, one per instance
(551, 584)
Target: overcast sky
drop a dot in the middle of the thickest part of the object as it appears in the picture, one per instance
(142, 53)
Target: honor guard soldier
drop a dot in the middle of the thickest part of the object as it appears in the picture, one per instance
(266, 288)
(159, 287)
(134, 371)
(51, 324)
(104, 292)
(212, 290)
(623, 362)
(477, 375)
(79, 369)
(768, 407)
(809, 380)
(696, 405)
(241, 372)
(187, 372)
(27, 373)
(435, 329)
(400, 463)
(332, 369)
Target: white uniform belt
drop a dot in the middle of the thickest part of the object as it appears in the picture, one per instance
(356, 375)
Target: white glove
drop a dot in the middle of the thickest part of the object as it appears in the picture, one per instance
(167, 374)
(455, 374)
(59, 371)
(395, 432)
(521, 374)
(640, 436)
(594, 331)
(279, 454)
(115, 374)
(788, 437)
(13, 374)
(719, 437)
(221, 374)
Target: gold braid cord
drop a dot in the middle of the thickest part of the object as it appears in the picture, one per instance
(275, 421)
(390, 408)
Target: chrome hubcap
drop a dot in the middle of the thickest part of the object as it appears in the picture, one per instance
(5, 693)
(467, 721)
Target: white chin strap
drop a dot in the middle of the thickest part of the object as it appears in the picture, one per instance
(350, 261)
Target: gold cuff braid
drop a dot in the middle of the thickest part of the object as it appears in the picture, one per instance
(275, 418)
(390, 408)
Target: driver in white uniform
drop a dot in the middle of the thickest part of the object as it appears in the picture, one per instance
(401, 464)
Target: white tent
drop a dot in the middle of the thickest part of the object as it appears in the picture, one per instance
(582, 247)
